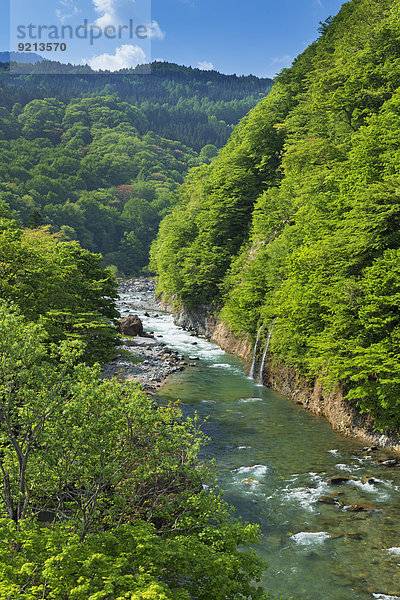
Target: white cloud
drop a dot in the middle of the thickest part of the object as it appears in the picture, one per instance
(107, 20)
(125, 57)
(109, 16)
(67, 10)
(154, 31)
(204, 65)
(104, 6)
(109, 11)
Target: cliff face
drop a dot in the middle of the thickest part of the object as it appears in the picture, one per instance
(341, 414)
(297, 218)
(203, 322)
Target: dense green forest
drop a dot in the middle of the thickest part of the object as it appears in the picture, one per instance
(189, 105)
(100, 157)
(60, 284)
(297, 221)
(102, 493)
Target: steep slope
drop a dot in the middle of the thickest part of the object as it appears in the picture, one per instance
(297, 221)
(100, 156)
(93, 170)
(188, 105)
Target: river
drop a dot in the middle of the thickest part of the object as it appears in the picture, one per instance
(274, 460)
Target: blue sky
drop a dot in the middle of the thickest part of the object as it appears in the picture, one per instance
(259, 37)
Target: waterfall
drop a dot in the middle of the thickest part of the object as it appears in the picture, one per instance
(253, 364)
(260, 376)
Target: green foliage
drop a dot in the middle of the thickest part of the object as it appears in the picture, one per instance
(41, 119)
(132, 562)
(72, 161)
(103, 492)
(194, 107)
(208, 152)
(84, 168)
(60, 283)
(311, 240)
(212, 217)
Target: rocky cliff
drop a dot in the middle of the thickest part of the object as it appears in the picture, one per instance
(341, 414)
(202, 322)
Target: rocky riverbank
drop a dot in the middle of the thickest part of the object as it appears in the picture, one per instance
(144, 359)
(139, 294)
(150, 362)
(343, 416)
(202, 322)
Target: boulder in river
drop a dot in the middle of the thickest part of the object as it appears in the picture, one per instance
(250, 481)
(327, 500)
(361, 507)
(339, 479)
(368, 479)
(132, 326)
(354, 536)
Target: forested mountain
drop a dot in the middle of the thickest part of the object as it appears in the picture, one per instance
(92, 170)
(99, 157)
(297, 221)
(103, 491)
(189, 105)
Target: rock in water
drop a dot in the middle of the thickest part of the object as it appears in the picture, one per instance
(249, 481)
(339, 479)
(368, 479)
(389, 463)
(354, 536)
(327, 500)
(362, 507)
(132, 326)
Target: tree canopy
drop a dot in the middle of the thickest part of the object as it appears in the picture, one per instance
(74, 150)
(102, 494)
(60, 284)
(296, 222)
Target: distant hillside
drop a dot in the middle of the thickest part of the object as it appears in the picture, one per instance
(188, 105)
(93, 170)
(20, 57)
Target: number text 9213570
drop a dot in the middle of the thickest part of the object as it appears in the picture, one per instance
(42, 47)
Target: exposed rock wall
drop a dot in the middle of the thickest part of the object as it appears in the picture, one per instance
(201, 321)
(342, 415)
